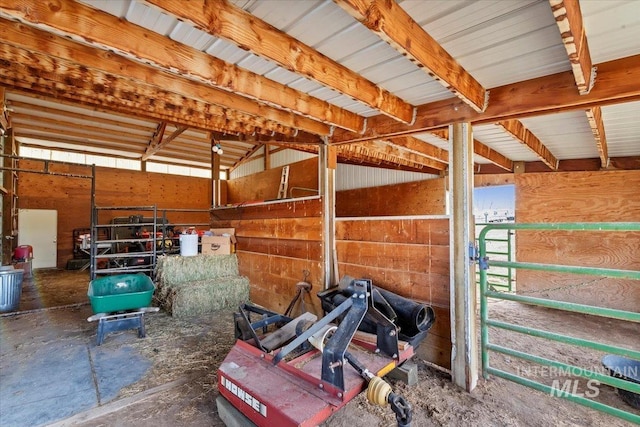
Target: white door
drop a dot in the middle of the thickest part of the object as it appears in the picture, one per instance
(39, 228)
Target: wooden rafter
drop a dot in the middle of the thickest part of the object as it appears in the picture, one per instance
(618, 81)
(4, 116)
(73, 117)
(221, 19)
(421, 147)
(157, 142)
(569, 19)
(21, 35)
(402, 156)
(396, 27)
(362, 156)
(594, 116)
(104, 31)
(482, 150)
(49, 76)
(516, 129)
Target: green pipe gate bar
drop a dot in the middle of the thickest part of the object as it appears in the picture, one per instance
(503, 248)
(485, 322)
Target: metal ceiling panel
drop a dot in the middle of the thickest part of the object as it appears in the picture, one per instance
(622, 128)
(612, 28)
(226, 51)
(186, 34)
(150, 18)
(496, 138)
(117, 8)
(566, 135)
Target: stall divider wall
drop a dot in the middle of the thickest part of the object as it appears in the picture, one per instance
(277, 242)
(408, 256)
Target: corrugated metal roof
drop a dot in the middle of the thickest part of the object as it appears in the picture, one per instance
(622, 128)
(499, 42)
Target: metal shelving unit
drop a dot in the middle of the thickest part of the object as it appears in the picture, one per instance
(113, 251)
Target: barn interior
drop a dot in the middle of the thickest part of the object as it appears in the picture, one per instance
(334, 138)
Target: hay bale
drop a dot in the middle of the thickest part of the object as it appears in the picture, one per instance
(202, 284)
(172, 270)
(205, 296)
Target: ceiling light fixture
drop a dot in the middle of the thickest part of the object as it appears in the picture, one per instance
(217, 149)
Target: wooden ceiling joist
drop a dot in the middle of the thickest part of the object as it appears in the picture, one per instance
(21, 121)
(421, 147)
(569, 20)
(390, 152)
(4, 117)
(482, 150)
(106, 31)
(157, 142)
(221, 19)
(594, 116)
(21, 35)
(45, 75)
(618, 81)
(396, 27)
(516, 129)
(73, 117)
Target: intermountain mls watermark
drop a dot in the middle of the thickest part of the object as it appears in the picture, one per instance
(564, 380)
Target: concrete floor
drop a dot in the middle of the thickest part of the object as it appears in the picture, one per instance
(51, 367)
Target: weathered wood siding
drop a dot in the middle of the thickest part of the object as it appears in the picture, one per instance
(411, 198)
(276, 243)
(610, 196)
(408, 256)
(114, 187)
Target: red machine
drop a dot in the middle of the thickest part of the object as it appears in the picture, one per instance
(301, 373)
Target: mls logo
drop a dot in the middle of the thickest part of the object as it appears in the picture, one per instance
(571, 387)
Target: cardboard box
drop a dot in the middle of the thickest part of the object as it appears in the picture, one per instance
(222, 243)
(216, 245)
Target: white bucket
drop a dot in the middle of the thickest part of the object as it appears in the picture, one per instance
(188, 244)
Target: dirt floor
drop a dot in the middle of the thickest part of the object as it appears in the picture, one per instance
(180, 388)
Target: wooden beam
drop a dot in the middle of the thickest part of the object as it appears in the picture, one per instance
(618, 81)
(5, 123)
(55, 77)
(385, 151)
(221, 19)
(72, 116)
(105, 31)
(395, 26)
(594, 116)
(482, 150)
(516, 129)
(569, 19)
(20, 35)
(157, 144)
(22, 121)
(421, 147)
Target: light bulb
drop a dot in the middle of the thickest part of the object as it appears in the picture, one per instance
(220, 151)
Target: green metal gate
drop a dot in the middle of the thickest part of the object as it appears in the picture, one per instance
(500, 247)
(486, 293)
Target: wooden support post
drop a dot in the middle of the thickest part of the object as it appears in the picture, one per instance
(327, 176)
(215, 176)
(464, 355)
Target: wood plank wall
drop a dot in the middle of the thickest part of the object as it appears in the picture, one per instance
(412, 198)
(579, 197)
(114, 187)
(277, 242)
(264, 185)
(407, 256)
